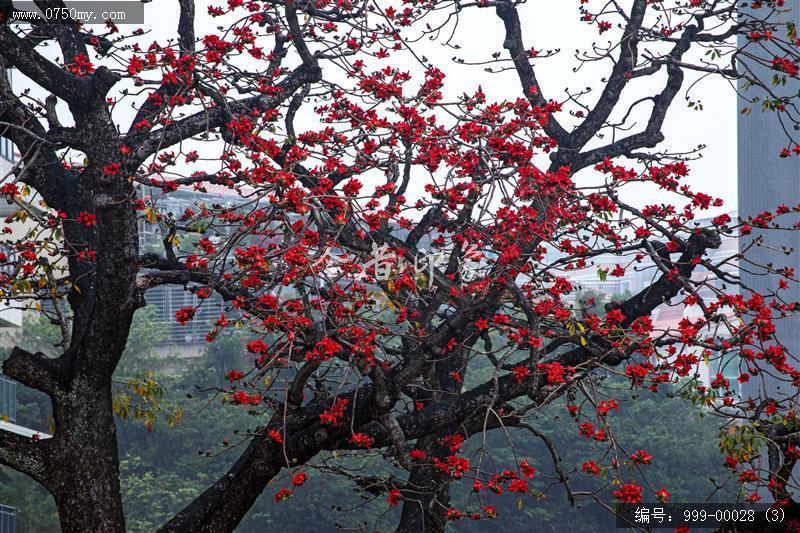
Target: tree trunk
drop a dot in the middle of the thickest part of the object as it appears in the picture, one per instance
(86, 483)
(426, 502)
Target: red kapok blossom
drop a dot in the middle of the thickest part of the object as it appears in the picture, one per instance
(87, 219)
(283, 494)
(628, 493)
(361, 439)
(591, 468)
(185, 314)
(10, 189)
(527, 470)
(641, 457)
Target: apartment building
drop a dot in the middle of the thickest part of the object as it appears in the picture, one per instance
(186, 340)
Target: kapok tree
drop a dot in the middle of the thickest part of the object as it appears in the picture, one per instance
(400, 249)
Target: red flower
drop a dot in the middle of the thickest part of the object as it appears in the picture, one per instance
(283, 494)
(453, 442)
(394, 497)
(747, 476)
(87, 219)
(453, 514)
(641, 457)
(556, 372)
(361, 439)
(257, 346)
(352, 187)
(275, 436)
(591, 468)
(527, 470)
(606, 405)
(10, 189)
(324, 349)
(185, 314)
(111, 169)
(629, 493)
(299, 478)
(662, 495)
(521, 373)
(243, 398)
(81, 65)
(234, 375)
(518, 485)
(417, 455)
(334, 415)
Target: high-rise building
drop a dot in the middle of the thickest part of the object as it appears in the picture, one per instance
(765, 182)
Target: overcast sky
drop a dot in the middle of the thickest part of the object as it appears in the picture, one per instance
(547, 25)
(555, 25)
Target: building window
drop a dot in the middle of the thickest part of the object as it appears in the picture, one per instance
(6, 149)
(7, 519)
(8, 399)
(168, 299)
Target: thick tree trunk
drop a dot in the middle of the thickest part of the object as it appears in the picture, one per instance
(86, 484)
(426, 501)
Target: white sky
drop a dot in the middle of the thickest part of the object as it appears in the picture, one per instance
(547, 25)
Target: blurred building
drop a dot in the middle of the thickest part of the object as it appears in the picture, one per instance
(186, 340)
(766, 181)
(7, 519)
(10, 317)
(666, 317)
(8, 422)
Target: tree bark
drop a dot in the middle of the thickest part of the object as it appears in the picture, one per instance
(87, 492)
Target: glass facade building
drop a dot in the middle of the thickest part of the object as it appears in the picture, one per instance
(6, 148)
(7, 519)
(8, 399)
(765, 182)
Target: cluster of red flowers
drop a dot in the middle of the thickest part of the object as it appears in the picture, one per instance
(241, 397)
